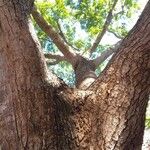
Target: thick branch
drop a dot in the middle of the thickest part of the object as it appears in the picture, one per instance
(106, 54)
(58, 41)
(105, 27)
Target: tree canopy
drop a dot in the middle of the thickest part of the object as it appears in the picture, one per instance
(80, 23)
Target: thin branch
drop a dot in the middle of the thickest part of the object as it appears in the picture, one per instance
(118, 13)
(105, 27)
(52, 62)
(118, 36)
(64, 38)
(97, 61)
(56, 38)
(57, 58)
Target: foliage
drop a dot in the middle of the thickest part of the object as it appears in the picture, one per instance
(66, 73)
(85, 16)
(147, 123)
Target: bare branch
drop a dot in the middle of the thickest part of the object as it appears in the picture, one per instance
(105, 27)
(118, 36)
(64, 38)
(97, 61)
(57, 58)
(56, 38)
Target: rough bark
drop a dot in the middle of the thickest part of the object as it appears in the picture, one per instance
(121, 93)
(37, 112)
(24, 104)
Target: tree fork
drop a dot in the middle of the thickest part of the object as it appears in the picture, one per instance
(38, 112)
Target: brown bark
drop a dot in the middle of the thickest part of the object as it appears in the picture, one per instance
(24, 123)
(121, 93)
(37, 112)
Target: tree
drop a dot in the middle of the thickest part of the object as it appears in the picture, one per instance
(90, 16)
(38, 111)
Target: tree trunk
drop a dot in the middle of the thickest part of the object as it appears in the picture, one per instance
(122, 92)
(37, 111)
(24, 105)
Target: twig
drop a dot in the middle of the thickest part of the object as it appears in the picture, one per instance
(118, 36)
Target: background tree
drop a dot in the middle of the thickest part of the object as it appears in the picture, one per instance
(38, 111)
